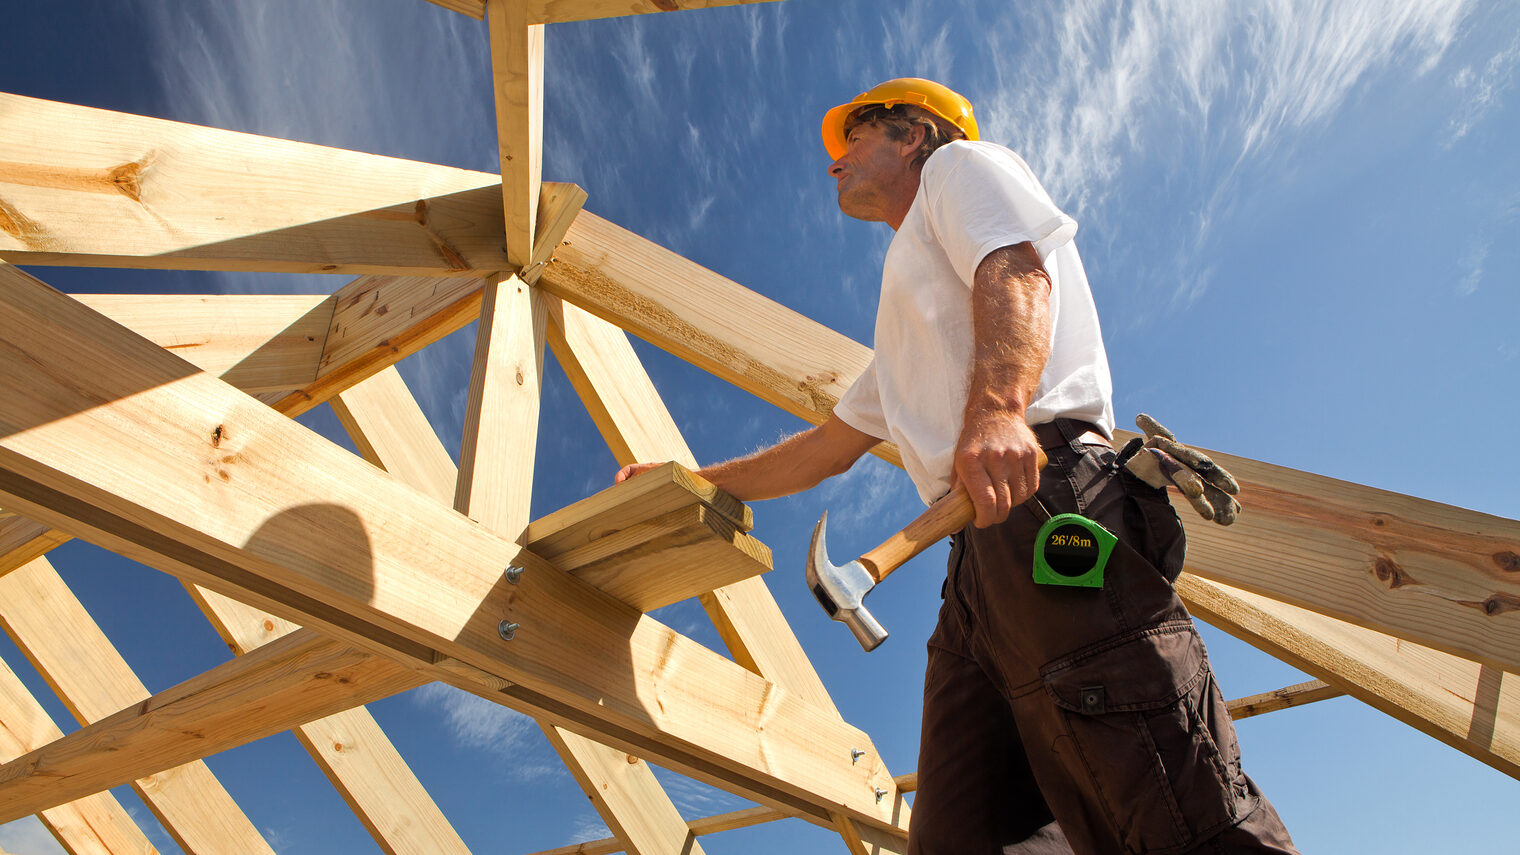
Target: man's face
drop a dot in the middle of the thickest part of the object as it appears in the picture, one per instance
(873, 174)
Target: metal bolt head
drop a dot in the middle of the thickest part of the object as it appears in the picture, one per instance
(880, 794)
(506, 629)
(855, 755)
(514, 574)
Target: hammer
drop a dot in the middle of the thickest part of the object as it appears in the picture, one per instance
(842, 590)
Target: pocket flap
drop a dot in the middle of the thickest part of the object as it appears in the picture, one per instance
(1146, 670)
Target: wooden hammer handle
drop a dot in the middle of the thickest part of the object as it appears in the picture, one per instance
(943, 518)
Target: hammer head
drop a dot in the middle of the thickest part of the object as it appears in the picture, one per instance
(842, 590)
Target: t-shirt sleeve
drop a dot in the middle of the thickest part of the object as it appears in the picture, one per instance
(860, 408)
(979, 202)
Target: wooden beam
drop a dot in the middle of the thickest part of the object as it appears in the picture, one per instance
(708, 320)
(1471, 707)
(95, 188)
(95, 824)
(68, 649)
(258, 343)
(226, 493)
(560, 11)
(1441, 576)
(1281, 699)
(517, 74)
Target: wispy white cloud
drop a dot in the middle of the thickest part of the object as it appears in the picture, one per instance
(589, 827)
(1472, 266)
(1481, 90)
(480, 725)
(1194, 93)
(694, 798)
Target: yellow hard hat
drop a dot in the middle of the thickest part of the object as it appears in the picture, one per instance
(937, 98)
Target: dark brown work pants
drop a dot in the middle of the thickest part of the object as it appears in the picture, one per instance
(1060, 719)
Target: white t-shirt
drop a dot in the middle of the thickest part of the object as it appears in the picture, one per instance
(973, 198)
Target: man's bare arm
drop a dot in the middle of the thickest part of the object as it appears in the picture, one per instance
(1010, 310)
(795, 464)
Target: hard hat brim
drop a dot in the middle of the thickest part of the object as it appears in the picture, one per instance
(833, 129)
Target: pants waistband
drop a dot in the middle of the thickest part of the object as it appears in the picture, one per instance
(1074, 433)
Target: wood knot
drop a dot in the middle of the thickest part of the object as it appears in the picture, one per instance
(1507, 561)
(666, 5)
(1498, 604)
(216, 436)
(1390, 573)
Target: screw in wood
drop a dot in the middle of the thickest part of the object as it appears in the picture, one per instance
(855, 755)
(880, 794)
(514, 575)
(506, 629)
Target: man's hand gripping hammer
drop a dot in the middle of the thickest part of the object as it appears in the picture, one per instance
(842, 590)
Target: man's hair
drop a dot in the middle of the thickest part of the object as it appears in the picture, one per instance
(898, 121)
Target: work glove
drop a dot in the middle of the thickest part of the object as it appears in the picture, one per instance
(1160, 461)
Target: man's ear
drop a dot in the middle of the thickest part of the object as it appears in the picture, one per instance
(917, 134)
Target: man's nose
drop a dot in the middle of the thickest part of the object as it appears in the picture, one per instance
(836, 167)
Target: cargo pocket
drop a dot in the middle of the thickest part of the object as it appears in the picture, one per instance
(1140, 713)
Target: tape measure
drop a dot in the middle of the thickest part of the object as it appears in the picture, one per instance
(1072, 550)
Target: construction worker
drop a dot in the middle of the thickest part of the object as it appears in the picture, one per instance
(1056, 719)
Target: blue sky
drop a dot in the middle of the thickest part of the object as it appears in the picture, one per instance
(1300, 220)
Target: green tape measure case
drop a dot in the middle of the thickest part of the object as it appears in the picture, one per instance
(1072, 550)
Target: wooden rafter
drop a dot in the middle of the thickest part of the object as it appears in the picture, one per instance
(45, 620)
(91, 188)
(96, 824)
(1471, 707)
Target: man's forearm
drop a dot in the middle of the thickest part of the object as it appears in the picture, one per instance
(796, 464)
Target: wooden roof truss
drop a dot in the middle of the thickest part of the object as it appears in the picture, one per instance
(160, 428)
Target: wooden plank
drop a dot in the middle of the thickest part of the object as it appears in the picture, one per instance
(224, 492)
(560, 11)
(95, 188)
(1281, 699)
(68, 649)
(849, 834)
(517, 75)
(676, 556)
(96, 824)
(258, 343)
(558, 206)
(1471, 707)
(501, 417)
(666, 488)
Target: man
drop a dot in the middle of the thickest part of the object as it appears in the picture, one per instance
(1056, 719)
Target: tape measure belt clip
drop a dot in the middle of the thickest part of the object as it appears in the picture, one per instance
(1072, 550)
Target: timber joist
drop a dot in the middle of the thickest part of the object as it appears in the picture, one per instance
(130, 421)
